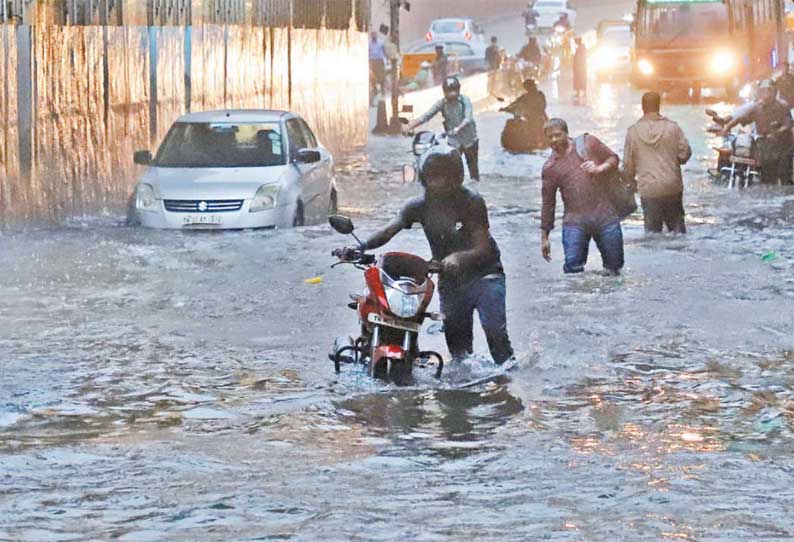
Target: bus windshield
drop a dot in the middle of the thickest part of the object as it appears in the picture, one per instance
(673, 20)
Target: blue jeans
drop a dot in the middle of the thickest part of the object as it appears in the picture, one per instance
(576, 243)
(487, 296)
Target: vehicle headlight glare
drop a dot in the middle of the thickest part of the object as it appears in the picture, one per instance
(646, 68)
(266, 198)
(722, 61)
(144, 198)
(403, 305)
(605, 58)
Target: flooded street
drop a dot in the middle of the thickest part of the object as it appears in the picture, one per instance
(158, 385)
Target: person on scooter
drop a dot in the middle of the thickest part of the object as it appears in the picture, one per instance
(459, 124)
(530, 15)
(455, 222)
(524, 132)
(531, 52)
(563, 22)
(772, 120)
(530, 104)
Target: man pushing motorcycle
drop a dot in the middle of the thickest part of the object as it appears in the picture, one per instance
(455, 222)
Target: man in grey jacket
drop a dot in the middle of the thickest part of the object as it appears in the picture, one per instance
(459, 124)
(655, 150)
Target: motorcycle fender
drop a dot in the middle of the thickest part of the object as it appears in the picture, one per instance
(389, 352)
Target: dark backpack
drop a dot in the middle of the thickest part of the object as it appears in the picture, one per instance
(621, 193)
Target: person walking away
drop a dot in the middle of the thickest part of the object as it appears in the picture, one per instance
(654, 152)
(391, 52)
(459, 124)
(455, 222)
(772, 120)
(377, 66)
(493, 54)
(580, 70)
(440, 65)
(589, 212)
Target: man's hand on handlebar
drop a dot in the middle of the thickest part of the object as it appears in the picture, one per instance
(347, 254)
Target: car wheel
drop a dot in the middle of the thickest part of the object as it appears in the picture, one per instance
(333, 207)
(132, 214)
(300, 216)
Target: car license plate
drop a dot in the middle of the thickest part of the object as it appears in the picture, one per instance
(197, 220)
(397, 324)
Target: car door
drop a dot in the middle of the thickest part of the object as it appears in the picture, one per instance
(321, 175)
(297, 141)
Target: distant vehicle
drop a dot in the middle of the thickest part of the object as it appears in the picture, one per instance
(707, 43)
(235, 169)
(469, 56)
(550, 11)
(611, 57)
(464, 29)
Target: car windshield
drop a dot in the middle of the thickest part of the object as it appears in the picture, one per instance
(449, 27)
(617, 36)
(707, 19)
(222, 144)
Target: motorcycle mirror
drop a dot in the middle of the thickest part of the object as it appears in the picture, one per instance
(409, 173)
(499, 99)
(403, 120)
(342, 224)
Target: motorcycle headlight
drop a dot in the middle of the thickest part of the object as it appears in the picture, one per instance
(646, 68)
(266, 198)
(722, 62)
(421, 148)
(402, 304)
(144, 198)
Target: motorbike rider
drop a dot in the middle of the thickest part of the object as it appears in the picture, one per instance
(455, 222)
(531, 51)
(772, 119)
(531, 104)
(563, 22)
(530, 15)
(459, 124)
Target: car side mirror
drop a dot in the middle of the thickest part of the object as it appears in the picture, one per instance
(342, 224)
(308, 156)
(142, 158)
(409, 173)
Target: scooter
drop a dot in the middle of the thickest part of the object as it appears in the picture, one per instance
(391, 312)
(523, 136)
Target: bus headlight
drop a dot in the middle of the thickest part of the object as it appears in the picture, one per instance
(722, 62)
(646, 68)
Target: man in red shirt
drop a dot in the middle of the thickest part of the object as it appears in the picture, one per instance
(589, 212)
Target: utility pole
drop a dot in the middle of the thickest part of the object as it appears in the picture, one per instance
(395, 126)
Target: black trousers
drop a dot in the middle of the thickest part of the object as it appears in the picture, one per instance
(472, 155)
(666, 210)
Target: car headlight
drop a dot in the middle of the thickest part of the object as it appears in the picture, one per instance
(605, 58)
(144, 198)
(403, 305)
(266, 198)
(646, 68)
(722, 62)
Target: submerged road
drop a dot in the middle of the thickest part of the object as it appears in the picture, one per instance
(175, 386)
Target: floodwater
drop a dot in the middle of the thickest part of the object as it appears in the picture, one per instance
(166, 386)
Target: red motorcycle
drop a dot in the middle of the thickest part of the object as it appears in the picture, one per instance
(399, 291)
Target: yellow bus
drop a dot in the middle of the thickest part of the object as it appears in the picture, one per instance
(693, 44)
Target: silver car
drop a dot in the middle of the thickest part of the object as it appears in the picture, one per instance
(235, 169)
